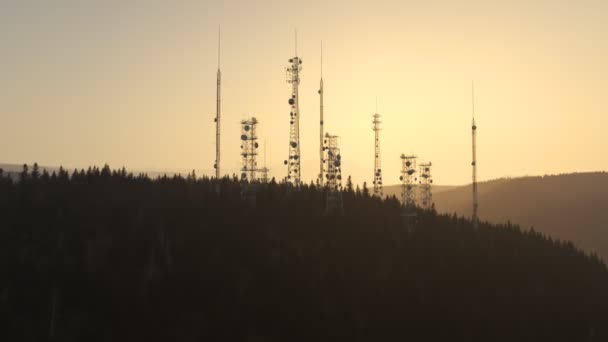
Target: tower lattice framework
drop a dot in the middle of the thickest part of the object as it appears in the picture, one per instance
(426, 181)
(377, 161)
(249, 150)
(332, 160)
(408, 191)
(293, 162)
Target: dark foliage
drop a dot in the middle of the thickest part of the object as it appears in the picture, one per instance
(103, 255)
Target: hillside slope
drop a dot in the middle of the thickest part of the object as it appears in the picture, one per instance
(571, 206)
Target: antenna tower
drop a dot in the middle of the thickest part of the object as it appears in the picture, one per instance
(321, 122)
(426, 180)
(474, 163)
(333, 172)
(218, 112)
(249, 149)
(293, 163)
(408, 194)
(377, 166)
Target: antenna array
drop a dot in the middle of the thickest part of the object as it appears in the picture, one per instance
(333, 173)
(377, 165)
(249, 149)
(293, 163)
(426, 180)
(408, 194)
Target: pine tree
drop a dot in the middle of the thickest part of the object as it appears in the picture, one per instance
(349, 184)
(365, 190)
(24, 173)
(35, 172)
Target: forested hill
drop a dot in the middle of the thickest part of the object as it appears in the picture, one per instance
(106, 256)
(570, 206)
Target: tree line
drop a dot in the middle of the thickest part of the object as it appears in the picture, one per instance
(106, 255)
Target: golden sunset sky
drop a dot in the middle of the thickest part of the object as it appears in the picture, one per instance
(132, 83)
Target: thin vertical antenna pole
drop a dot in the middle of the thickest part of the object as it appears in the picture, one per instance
(475, 217)
(377, 157)
(321, 122)
(219, 33)
(296, 37)
(218, 110)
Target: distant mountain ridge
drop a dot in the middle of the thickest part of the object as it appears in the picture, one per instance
(568, 206)
(13, 170)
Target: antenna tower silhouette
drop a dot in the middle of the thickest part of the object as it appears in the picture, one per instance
(218, 112)
(377, 165)
(426, 180)
(293, 163)
(408, 194)
(249, 149)
(333, 173)
(321, 122)
(474, 163)
(249, 153)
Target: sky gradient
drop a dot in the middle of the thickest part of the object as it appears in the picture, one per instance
(132, 83)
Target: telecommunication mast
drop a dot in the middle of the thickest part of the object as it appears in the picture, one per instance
(293, 162)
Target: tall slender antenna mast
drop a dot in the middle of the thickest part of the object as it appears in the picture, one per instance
(293, 163)
(377, 165)
(218, 110)
(474, 163)
(321, 122)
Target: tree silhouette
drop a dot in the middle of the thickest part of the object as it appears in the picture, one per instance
(113, 256)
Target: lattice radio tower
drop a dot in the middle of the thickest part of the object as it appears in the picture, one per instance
(249, 150)
(426, 181)
(408, 193)
(333, 173)
(475, 218)
(377, 165)
(293, 163)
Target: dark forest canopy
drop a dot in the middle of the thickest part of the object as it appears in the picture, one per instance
(103, 255)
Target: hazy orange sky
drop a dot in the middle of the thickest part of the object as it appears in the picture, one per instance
(133, 83)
